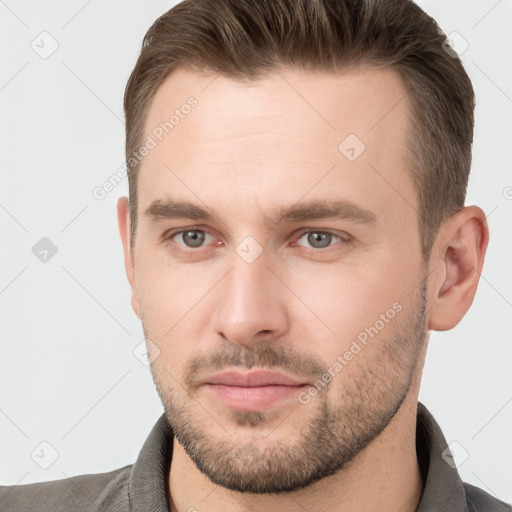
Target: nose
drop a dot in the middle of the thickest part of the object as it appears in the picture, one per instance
(251, 302)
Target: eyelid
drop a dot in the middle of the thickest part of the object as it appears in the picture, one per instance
(175, 231)
(343, 236)
(171, 233)
(340, 234)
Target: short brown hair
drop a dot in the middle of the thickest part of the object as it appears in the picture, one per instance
(246, 39)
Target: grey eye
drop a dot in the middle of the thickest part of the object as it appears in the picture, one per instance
(192, 237)
(318, 239)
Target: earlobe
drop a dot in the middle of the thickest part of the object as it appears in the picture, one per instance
(456, 268)
(123, 218)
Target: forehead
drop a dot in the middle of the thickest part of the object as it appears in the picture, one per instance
(360, 99)
(212, 135)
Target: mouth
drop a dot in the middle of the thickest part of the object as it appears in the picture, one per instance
(252, 391)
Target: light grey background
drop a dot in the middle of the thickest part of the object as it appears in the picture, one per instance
(68, 374)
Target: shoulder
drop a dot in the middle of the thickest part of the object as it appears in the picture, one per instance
(480, 501)
(83, 492)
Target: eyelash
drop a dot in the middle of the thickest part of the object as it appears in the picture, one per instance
(345, 239)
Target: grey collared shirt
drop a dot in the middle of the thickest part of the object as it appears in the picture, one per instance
(143, 486)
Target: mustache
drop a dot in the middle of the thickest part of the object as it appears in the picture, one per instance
(266, 354)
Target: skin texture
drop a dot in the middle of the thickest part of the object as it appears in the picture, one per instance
(243, 152)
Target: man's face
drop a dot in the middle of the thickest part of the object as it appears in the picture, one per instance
(288, 337)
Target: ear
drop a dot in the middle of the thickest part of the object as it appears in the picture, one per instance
(456, 262)
(123, 219)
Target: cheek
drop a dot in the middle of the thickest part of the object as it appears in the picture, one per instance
(356, 302)
(165, 290)
(350, 294)
(172, 301)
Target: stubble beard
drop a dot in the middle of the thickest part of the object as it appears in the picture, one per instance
(340, 426)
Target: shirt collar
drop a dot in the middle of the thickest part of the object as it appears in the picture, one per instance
(443, 487)
(148, 486)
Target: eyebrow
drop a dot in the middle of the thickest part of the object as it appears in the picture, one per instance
(313, 210)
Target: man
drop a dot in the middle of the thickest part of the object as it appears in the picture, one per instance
(295, 228)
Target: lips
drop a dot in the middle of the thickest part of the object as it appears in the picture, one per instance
(253, 379)
(253, 391)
